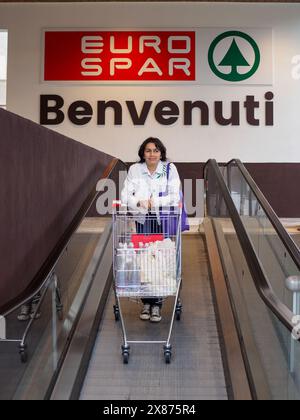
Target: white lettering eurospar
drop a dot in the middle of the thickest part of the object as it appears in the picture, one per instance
(95, 45)
(119, 56)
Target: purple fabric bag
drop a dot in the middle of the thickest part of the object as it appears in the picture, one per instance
(169, 224)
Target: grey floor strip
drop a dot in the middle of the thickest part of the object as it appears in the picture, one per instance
(196, 370)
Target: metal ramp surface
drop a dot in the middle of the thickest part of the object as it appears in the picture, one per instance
(196, 370)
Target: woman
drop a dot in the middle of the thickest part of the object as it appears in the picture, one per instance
(146, 189)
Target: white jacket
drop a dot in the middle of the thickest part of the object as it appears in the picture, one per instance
(141, 185)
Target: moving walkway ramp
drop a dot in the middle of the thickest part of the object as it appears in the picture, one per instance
(234, 339)
(261, 265)
(196, 370)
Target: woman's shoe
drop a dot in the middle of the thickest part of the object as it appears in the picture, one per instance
(24, 313)
(155, 314)
(145, 314)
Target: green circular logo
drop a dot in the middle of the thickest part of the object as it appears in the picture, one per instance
(234, 57)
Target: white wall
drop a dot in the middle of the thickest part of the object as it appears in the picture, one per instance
(3, 66)
(279, 143)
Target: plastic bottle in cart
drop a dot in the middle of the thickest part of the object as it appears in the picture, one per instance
(141, 264)
(128, 264)
(126, 274)
(120, 280)
(147, 262)
(140, 256)
(138, 264)
(132, 267)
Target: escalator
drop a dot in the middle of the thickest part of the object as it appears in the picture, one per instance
(48, 334)
(245, 348)
(233, 340)
(196, 371)
(261, 265)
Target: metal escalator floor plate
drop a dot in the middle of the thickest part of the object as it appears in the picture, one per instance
(196, 369)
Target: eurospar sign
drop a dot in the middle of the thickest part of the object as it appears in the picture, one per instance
(133, 56)
(203, 56)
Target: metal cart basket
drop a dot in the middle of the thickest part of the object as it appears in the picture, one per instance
(146, 263)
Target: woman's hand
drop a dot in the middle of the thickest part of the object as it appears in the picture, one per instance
(151, 203)
(144, 204)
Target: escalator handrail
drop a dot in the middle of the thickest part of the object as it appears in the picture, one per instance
(288, 242)
(281, 311)
(49, 264)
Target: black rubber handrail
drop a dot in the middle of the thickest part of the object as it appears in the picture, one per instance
(281, 311)
(47, 267)
(288, 242)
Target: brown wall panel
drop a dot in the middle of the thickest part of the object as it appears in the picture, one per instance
(279, 182)
(44, 179)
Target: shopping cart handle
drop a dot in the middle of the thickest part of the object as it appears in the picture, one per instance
(117, 203)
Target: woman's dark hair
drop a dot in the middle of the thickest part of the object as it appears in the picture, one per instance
(158, 144)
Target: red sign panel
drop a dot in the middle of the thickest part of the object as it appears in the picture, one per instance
(112, 56)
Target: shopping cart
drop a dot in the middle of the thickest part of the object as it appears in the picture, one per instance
(146, 263)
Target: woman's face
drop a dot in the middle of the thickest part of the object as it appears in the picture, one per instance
(151, 154)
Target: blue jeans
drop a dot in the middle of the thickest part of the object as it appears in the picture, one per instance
(149, 227)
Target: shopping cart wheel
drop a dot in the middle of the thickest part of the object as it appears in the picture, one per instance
(168, 354)
(60, 314)
(23, 356)
(178, 315)
(125, 354)
(168, 357)
(116, 313)
(178, 310)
